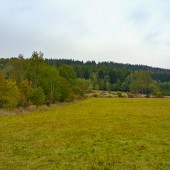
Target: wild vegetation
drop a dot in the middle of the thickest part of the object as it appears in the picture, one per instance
(112, 76)
(97, 133)
(35, 80)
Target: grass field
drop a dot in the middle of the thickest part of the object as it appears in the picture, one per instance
(92, 134)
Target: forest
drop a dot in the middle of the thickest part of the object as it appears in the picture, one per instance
(35, 80)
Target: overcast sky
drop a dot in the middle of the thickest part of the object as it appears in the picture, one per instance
(127, 31)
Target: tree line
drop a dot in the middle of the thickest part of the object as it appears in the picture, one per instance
(113, 76)
(35, 80)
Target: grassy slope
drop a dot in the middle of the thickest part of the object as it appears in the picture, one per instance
(91, 134)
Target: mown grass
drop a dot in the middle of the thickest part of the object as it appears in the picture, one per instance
(92, 134)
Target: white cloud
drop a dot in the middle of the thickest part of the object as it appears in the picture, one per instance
(117, 30)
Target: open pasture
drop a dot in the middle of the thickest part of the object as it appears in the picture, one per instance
(94, 134)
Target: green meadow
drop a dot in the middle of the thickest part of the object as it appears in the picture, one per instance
(94, 134)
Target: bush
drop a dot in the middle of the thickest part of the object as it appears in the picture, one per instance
(130, 95)
(148, 96)
(38, 96)
(159, 95)
(79, 90)
(66, 93)
(9, 94)
(97, 87)
(119, 94)
(95, 95)
(90, 88)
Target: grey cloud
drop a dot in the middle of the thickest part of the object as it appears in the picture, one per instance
(118, 30)
(152, 36)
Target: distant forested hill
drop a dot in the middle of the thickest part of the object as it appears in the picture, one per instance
(112, 69)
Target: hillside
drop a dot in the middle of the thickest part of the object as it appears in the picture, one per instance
(83, 68)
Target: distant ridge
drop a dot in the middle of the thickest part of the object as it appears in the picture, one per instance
(112, 63)
(158, 74)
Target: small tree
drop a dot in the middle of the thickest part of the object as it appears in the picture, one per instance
(26, 91)
(97, 87)
(66, 93)
(141, 82)
(119, 94)
(90, 88)
(79, 90)
(9, 94)
(38, 96)
(107, 86)
(68, 73)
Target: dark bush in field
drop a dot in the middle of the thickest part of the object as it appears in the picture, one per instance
(130, 95)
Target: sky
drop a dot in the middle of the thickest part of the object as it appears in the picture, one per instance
(125, 31)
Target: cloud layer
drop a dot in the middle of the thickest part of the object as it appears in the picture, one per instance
(103, 30)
